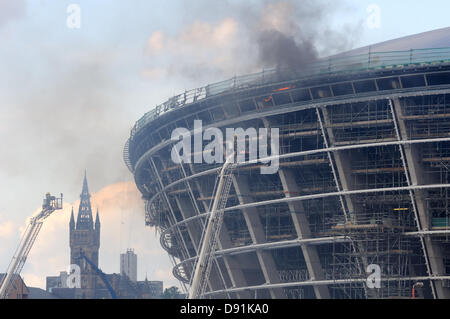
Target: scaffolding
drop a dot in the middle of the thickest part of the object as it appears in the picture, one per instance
(348, 169)
(379, 240)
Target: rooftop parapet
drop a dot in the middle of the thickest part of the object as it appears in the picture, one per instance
(324, 66)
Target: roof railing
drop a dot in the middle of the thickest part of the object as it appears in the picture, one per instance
(330, 65)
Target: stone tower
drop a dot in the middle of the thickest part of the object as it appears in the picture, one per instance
(85, 238)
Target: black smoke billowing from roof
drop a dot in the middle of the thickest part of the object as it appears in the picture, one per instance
(286, 34)
(278, 49)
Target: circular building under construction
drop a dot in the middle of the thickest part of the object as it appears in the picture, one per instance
(359, 206)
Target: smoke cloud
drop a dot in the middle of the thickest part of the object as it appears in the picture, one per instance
(240, 38)
(277, 49)
(10, 10)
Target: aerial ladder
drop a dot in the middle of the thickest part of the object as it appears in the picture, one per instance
(51, 203)
(211, 234)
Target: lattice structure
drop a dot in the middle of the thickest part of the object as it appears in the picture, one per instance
(363, 178)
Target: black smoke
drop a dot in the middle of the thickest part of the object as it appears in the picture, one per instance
(283, 51)
(282, 34)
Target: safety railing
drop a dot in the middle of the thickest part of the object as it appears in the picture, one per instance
(334, 64)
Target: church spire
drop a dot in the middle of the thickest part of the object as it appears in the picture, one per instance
(85, 190)
(72, 221)
(84, 219)
(97, 221)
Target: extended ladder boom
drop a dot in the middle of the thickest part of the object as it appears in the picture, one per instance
(101, 274)
(211, 235)
(51, 203)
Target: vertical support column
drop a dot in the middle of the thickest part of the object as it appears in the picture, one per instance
(232, 263)
(169, 205)
(331, 162)
(303, 231)
(195, 232)
(255, 229)
(342, 162)
(416, 176)
(199, 226)
(302, 228)
(183, 250)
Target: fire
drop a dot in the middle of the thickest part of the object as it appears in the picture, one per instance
(268, 99)
(284, 88)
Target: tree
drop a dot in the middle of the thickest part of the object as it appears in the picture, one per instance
(171, 293)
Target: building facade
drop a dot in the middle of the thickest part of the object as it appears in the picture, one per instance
(128, 265)
(18, 288)
(362, 191)
(56, 281)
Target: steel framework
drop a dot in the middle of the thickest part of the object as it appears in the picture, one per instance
(363, 179)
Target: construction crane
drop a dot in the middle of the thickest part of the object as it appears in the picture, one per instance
(211, 234)
(51, 203)
(100, 273)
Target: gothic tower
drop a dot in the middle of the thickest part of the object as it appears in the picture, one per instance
(85, 239)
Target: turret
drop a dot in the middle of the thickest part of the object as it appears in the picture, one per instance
(72, 221)
(84, 219)
(97, 222)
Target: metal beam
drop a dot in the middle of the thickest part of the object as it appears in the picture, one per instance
(332, 282)
(255, 228)
(414, 175)
(302, 227)
(297, 107)
(231, 263)
(304, 153)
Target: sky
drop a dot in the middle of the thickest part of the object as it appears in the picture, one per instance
(70, 95)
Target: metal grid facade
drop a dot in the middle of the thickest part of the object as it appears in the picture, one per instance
(364, 179)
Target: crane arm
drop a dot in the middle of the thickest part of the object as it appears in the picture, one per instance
(211, 235)
(51, 203)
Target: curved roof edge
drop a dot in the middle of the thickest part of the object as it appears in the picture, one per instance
(439, 38)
